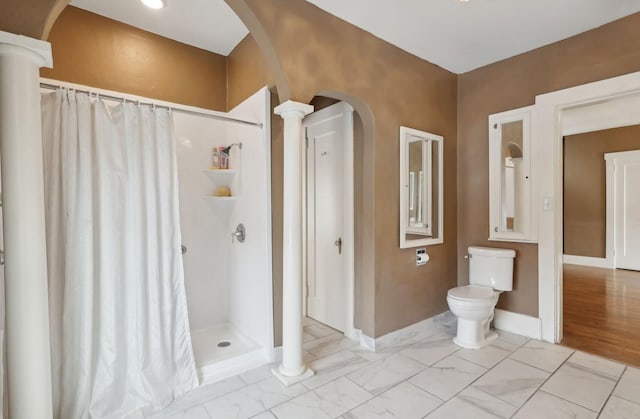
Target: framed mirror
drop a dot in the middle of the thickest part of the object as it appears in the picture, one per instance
(510, 177)
(421, 188)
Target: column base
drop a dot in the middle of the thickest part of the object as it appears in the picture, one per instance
(291, 380)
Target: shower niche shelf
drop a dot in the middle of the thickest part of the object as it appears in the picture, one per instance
(222, 178)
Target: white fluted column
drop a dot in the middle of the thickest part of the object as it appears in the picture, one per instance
(25, 269)
(292, 368)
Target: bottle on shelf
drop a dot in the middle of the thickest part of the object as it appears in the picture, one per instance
(215, 158)
(223, 153)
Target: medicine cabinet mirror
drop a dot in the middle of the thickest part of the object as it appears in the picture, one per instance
(421, 190)
(510, 178)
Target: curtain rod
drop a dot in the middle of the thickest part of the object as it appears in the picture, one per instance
(178, 108)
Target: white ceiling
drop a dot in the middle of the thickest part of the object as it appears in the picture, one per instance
(458, 36)
(206, 24)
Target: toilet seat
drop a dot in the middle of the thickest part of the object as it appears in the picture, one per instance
(472, 293)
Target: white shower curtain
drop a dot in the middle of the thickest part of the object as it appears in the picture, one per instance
(119, 327)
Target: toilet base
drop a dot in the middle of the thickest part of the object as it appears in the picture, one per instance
(490, 337)
(474, 334)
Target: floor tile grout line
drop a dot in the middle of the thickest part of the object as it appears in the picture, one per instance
(613, 390)
(533, 366)
(480, 365)
(490, 369)
(391, 388)
(566, 361)
(568, 401)
(539, 388)
(330, 381)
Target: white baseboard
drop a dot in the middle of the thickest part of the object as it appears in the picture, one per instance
(588, 261)
(376, 344)
(519, 324)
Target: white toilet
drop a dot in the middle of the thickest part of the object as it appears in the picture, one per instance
(490, 272)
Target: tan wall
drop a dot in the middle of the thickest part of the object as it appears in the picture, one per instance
(605, 52)
(247, 71)
(585, 187)
(95, 51)
(31, 18)
(323, 55)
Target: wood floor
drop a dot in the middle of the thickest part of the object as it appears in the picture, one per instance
(602, 312)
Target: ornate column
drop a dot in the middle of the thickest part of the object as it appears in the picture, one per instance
(25, 269)
(292, 369)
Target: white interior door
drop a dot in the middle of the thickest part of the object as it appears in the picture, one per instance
(627, 210)
(328, 239)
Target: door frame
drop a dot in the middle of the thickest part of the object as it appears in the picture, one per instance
(550, 108)
(348, 210)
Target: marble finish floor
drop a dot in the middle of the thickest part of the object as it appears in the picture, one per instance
(425, 376)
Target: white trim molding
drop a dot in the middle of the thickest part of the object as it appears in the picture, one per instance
(519, 324)
(548, 131)
(588, 261)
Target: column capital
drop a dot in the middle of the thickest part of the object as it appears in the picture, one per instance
(291, 107)
(35, 49)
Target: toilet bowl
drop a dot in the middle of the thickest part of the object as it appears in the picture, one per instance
(473, 306)
(490, 273)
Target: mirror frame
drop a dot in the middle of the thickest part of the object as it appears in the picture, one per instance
(528, 219)
(407, 136)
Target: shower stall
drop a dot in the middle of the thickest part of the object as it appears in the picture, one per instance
(227, 277)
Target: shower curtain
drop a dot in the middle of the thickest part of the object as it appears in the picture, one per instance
(121, 345)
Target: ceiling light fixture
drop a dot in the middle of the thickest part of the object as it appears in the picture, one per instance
(155, 4)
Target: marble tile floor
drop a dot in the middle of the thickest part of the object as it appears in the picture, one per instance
(426, 376)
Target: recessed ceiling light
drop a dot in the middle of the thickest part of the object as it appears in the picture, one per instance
(155, 4)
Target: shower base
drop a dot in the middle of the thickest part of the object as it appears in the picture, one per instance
(221, 352)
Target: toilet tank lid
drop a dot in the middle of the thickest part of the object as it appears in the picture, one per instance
(492, 252)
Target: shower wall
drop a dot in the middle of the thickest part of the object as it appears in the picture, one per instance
(227, 282)
(204, 229)
(250, 302)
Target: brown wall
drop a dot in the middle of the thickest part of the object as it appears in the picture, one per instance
(247, 71)
(605, 52)
(323, 55)
(95, 51)
(585, 187)
(31, 18)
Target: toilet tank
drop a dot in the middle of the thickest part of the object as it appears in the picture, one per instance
(491, 267)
